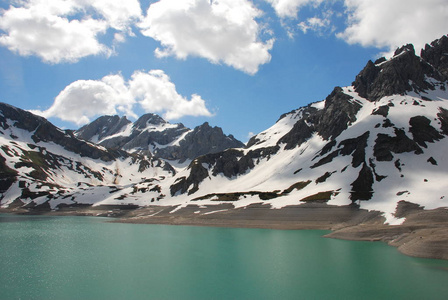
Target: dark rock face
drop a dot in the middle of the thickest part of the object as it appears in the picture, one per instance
(102, 127)
(202, 140)
(362, 186)
(148, 119)
(385, 145)
(422, 131)
(381, 111)
(7, 176)
(443, 118)
(436, 55)
(355, 147)
(339, 112)
(298, 135)
(405, 72)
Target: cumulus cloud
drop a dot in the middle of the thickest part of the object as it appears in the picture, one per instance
(83, 100)
(65, 30)
(390, 24)
(290, 8)
(224, 31)
(155, 92)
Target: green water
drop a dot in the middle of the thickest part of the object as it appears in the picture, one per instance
(87, 258)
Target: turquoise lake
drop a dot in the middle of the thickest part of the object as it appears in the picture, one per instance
(88, 258)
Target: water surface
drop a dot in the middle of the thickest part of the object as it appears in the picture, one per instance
(88, 258)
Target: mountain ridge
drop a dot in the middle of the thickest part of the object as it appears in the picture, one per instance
(152, 135)
(372, 144)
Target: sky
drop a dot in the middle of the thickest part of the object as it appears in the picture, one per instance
(237, 64)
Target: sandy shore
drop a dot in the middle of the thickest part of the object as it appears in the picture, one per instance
(423, 234)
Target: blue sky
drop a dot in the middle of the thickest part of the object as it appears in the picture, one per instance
(237, 64)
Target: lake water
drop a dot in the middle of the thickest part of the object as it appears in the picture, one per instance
(87, 258)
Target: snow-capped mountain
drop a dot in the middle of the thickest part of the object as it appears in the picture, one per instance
(375, 143)
(42, 165)
(151, 134)
(379, 141)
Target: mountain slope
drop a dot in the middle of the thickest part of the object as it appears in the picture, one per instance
(375, 143)
(43, 165)
(150, 134)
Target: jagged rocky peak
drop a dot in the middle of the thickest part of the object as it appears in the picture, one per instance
(149, 119)
(436, 54)
(102, 127)
(405, 72)
(204, 139)
(151, 134)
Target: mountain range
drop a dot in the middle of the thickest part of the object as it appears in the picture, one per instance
(373, 144)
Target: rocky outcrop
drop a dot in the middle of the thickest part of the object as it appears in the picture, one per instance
(204, 139)
(436, 54)
(405, 72)
(102, 127)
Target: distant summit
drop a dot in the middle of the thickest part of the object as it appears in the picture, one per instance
(152, 135)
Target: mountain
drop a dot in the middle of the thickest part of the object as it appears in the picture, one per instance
(44, 166)
(374, 144)
(151, 134)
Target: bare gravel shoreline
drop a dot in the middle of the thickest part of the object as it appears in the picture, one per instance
(423, 234)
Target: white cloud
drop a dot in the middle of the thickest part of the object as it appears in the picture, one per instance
(390, 24)
(290, 8)
(155, 92)
(224, 31)
(83, 100)
(65, 31)
(315, 24)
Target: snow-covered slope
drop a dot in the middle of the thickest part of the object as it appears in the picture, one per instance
(375, 143)
(41, 164)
